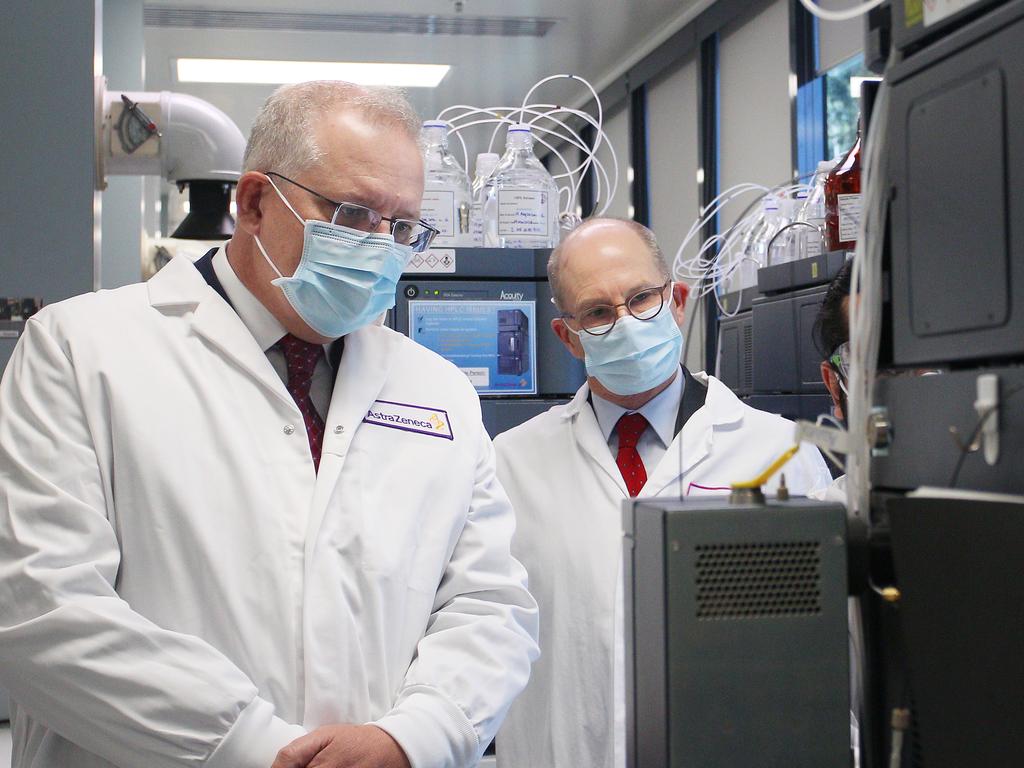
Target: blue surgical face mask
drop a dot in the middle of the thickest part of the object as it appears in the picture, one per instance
(345, 278)
(636, 355)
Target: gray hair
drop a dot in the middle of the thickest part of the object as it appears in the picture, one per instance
(645, 234)
(283, 135)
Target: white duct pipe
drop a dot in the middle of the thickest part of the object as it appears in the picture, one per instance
(196, 141)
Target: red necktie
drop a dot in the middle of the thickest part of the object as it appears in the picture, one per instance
(301, 358)
(630, 427)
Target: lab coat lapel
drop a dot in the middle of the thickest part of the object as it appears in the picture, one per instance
(695, 439)
(367, 359)
(179, 286)
(588, 436)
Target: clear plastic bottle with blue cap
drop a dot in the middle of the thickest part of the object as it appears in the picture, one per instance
(446, 198)
(521, 210)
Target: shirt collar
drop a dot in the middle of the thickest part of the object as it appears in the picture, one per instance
(265, 328)
(660, 411)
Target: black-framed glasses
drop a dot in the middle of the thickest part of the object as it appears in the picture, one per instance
(840, 360)
(417, 234)
(599, 319)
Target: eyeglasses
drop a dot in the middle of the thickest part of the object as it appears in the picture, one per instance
(418, 235)
(599, 319)
(840, 360)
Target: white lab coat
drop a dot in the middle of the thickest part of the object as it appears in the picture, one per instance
(177, 587)
(567, 492)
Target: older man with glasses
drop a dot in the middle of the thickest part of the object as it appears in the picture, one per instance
(241, 524)
(642, 424)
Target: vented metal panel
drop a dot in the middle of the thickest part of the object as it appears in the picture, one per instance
(380, 23)
(756, 580)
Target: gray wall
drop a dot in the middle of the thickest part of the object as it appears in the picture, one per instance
(673, 157)
(123, 64)
(48, 237)
(756, 131)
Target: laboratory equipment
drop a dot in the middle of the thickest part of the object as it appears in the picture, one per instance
(513, 342)
(178, 137)
(489, 315)
(486, 162)
(842, 200)
(521, 209)
(810, 239)
(557, 129)
(446, 196)
(934, 467)
(736, 634)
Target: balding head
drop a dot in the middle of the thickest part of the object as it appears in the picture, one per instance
(600, 238)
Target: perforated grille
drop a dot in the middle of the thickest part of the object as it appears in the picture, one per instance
(748, 581)
(748, 356)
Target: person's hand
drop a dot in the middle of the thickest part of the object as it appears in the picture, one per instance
(343, 746)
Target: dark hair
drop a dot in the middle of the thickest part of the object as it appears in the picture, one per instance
(832, 325)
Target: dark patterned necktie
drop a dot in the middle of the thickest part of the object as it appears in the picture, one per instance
(301, 358)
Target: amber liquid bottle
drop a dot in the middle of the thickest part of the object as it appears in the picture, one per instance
(842, 200)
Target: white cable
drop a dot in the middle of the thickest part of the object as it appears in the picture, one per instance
(866, 305)
(845, 14)
(461, 117)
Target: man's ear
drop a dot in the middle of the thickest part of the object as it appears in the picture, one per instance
(680, 293)
(831, 380)
(248, 201)
(567, 337)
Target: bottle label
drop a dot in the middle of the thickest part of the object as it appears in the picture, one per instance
(813, 245)
(438, 210)
(849, 217)
(522, 212)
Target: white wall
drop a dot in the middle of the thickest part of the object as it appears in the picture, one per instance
(673, 157)
(756, 133)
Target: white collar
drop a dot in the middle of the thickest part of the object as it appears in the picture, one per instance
(660, 411)
(265, 328)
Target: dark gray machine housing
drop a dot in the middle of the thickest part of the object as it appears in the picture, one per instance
(955, 143)
(736, 634)
(766, 351)
(785, 357)
(496, 274)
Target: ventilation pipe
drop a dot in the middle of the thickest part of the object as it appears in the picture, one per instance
(183, 139)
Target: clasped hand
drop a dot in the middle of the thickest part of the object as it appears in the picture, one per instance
(343, 746)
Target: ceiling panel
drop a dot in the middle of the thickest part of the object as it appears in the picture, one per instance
(591, 38)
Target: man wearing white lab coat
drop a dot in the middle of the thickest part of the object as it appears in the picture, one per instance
(228, 539)
(567, 474)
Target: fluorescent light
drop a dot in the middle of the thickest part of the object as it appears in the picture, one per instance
(276, 72)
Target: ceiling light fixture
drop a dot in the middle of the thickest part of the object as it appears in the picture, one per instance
(263, 72)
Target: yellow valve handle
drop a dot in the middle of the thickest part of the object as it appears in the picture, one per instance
(763, 478)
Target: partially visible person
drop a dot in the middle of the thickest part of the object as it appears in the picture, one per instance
(642, 424)
(243, 525)
(832, 337)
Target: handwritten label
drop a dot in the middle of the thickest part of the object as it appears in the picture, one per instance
(522, 212)
(849, 217)
(438, 210)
